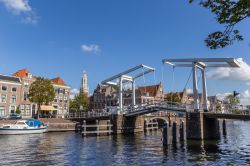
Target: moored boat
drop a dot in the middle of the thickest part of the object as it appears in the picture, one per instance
(24, 127)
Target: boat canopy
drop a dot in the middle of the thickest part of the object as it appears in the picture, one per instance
(33, 123)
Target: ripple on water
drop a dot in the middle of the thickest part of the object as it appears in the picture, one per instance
(71, 149)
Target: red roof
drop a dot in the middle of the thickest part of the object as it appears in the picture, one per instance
(58, 81)
(151, 90)
(21, 73)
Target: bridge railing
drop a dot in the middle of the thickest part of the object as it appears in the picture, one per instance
(74, 115)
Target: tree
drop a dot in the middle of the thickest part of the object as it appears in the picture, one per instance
(229, 13)
(232, 101)
(80, 102)
(41, 92)
(173, 97)
(18, 110)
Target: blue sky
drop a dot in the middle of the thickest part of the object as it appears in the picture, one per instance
(63, 38)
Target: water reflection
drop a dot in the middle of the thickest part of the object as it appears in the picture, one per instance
(140, 149)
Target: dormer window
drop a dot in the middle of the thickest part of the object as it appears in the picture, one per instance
(29, 75)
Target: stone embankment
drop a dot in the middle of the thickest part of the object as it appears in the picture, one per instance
(54, 124)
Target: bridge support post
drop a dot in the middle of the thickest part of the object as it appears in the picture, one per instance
(195, 89)
(181, 130)
(174, 133)
(204, 92)
(133, 93)
(201, 128)
(165, 134)
(224, 129)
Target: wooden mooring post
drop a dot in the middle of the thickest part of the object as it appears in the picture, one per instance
(97, 129)
(165, 134)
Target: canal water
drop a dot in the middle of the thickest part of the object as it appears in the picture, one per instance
(69, 148)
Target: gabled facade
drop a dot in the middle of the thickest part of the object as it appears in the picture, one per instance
(14, 93)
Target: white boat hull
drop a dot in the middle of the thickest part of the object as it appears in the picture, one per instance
(9, 131)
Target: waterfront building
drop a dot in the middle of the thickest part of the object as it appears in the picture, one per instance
(26, 107)
(10, 94)
(61, 101)
(105, 96)
(15, 93)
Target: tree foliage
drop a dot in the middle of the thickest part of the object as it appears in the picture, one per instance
(80, 102)
(233, 100)
(41, 92)
(173, 97)
(229, 13)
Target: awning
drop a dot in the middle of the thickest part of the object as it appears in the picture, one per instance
(47, 108)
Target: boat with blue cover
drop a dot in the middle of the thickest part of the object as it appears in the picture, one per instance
(31, 126)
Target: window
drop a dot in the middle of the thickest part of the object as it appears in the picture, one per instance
(25, 96)
(29, 75)
(12, 109)
(4, 88)
(65, 98)
(26, 84)
(22, 109)
(13, 99)
(55, 100)
(3, 98)
(2, 111)
(14, 89)
(27, 107)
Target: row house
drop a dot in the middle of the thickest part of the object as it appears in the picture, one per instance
(10, 94)
(107, 96)
(15, 93)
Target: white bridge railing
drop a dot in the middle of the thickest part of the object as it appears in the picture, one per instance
(75, 115)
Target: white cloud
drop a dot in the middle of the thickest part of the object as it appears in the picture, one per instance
(241, 74)
(222, 96)
(90, 48)
(21, 8)
(73, 93)
(189, 91)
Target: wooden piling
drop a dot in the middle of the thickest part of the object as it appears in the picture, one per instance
(165, 134)
(174, 132)
(182, 131)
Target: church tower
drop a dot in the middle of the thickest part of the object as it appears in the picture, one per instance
(84, 83)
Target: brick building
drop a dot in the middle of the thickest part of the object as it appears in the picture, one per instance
(15, 93)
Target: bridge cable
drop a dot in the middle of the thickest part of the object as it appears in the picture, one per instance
(173, 80)
(188, 79)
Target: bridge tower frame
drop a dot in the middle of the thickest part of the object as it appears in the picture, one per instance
(124, 77)
(202, 64)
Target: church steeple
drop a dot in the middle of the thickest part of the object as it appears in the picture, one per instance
(84, 83)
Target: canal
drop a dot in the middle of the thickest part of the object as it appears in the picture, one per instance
(69, 148)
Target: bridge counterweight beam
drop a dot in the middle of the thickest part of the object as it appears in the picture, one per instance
(195, 89)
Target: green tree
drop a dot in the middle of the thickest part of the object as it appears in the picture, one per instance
(80, 102)
(228, 13)
(232, 101)
(18, 110)
(173, 97)
(41, 92)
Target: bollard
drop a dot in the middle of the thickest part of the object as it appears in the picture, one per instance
(174, 132)
(165, 134)
(182, 131)
(84, 128)
(224, 128)
(97, 128)
(109, 127)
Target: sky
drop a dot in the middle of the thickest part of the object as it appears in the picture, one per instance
(64, 38)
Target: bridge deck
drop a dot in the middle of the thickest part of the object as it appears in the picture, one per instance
(226, 116)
